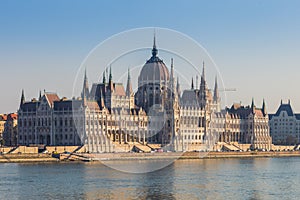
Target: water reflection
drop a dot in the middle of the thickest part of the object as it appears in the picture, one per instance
(157, 185)
(261, 178)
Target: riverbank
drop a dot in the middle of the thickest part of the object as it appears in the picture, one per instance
(23, 158)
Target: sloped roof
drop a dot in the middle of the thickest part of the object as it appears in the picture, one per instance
(244, 111)
(51, 97)
(285, 107)
(67, 105)
(259, 113)
(30, 106)
(119, 89)
(189, 98)
(297, 116)
(93, 105)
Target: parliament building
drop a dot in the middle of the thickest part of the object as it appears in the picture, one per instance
(109, 117)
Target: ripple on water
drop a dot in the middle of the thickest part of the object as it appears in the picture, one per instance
(264, 178)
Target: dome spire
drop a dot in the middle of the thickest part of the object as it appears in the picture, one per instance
(154, 49)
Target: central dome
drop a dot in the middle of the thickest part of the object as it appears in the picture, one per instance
(154, 70)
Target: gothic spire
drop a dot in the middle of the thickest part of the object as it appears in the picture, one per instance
(253, 106)
(40, 96)
(203, 85)
(264, 109)
(252, 103)
(22, 98)
(110, 82)
(154, 49)
(110, 74)
(172, 79)
(192, 86)
(203, 71)
(216, 91)
(85, 89)
(103, 77)
(178, 86)
(129, 85)
(172, 69)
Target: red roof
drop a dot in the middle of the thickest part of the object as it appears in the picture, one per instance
(259, 113)
(13, 116)
(92, 105)
(119, 90)
(4, 117)
(52, 97)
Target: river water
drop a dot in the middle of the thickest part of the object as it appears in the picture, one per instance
(255, 178)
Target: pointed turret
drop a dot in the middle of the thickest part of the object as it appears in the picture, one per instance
(203, 86)
(103, 78)
(129, 90)
(253, 106)
(192, 85)
(178, 87)
(172, 70)
(22, 98)
(264, 109)
(203, 90)
(40, 96)
(154, 49)
(216, 91)
(172, 79)
(85, 89)
(203, 71)
(110, 82)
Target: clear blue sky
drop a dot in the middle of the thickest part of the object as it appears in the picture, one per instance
(256, 44)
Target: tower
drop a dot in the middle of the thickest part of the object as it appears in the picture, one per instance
(110, 82)
(216, 98)
(192, 85)
(154, 83)
(129, 91)
(40, 96)
(203, 91)
(264, 109)
(178, 88)
(22, 98)
(103, 78)
(253, 106)
(85, 89)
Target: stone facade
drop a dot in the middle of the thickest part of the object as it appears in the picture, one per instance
(11, 130)
(3, 119)
(110, 117)
(246, 125)
(285, 125)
